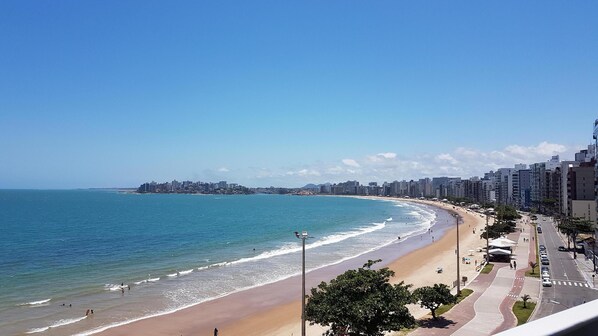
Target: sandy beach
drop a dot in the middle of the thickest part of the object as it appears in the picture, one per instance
(275, 309)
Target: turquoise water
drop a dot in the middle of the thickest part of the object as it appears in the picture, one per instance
(77, 247)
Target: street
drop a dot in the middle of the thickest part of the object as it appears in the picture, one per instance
(569, 287)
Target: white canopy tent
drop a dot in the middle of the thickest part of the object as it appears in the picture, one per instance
(500, 252)
(502, 242)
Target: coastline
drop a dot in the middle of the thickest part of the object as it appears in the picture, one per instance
(274, 309)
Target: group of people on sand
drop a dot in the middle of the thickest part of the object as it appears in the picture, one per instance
(89, 312)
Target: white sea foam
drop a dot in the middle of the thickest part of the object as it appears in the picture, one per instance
(111, 287)
(283, 250)
(57, 324)
(293, 248)
(35, 303)
(425, 218)
(37, 330)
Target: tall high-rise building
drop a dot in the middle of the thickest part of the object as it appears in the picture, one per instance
(580, 184)
(524, 200)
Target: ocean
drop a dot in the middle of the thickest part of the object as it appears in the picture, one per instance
(128, 256)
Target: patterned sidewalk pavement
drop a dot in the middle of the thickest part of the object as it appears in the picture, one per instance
(489, 309)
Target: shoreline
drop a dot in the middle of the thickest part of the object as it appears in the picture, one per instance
(274, 309)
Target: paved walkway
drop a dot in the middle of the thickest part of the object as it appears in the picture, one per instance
(524, 252)
(457, 317)
(489, 309)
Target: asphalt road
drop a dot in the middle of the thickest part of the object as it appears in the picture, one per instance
(569, 287)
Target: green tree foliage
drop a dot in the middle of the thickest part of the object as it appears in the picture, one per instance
(432, 297)
(505, 222)
(506, 213)
(571, 227)
(361, 302)
(549, 206)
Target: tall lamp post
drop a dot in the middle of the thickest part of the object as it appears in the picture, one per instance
(458, 261)
(303, 236)
(487, 240)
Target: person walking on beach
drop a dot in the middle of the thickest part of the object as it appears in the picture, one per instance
(215, 331)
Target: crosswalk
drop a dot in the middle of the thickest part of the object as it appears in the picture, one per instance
(570, 283)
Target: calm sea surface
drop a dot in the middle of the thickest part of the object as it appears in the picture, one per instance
(77, 247)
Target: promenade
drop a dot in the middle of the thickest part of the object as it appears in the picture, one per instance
(488, 310)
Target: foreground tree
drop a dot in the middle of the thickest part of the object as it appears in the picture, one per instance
(432, 297)
(361, 302)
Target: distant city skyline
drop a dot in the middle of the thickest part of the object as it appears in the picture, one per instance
(264, 93)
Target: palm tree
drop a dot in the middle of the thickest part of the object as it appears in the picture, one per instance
(525, 298)
(533, 265)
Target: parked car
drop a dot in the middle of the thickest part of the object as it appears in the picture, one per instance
(539, 229)
(545, 262)
(544, 269)
(541, 247)
(562, 248)
(545, 275)
(546, 282)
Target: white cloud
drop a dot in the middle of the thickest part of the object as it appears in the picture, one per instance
(462, 151)
(381, 157)
(387, 166)
(224, 170)
(350, 163)
(335, 170)
(447, 157)
(387, 155)
(304, 172)
(543, 149)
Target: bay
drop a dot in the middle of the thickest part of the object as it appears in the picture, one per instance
(76, 247)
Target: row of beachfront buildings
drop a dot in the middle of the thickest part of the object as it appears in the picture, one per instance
(560, 187)
(190, 187)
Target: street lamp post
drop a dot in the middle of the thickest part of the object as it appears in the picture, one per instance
(303, 236)
(487, 241)
(458, 259)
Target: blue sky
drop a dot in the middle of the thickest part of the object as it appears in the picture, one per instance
(111, 93)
